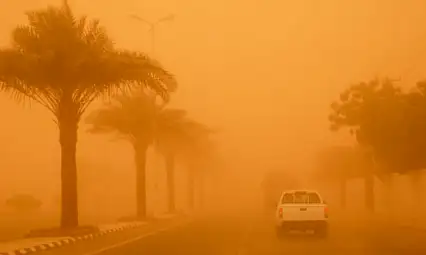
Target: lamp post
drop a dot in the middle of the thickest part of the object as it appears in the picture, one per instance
(152, 29)
(153, 26)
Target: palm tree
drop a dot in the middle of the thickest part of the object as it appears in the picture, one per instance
(131, 118)
(143, 123)
(65, 63)
(170, 133)
(198, 153)
(176, 135)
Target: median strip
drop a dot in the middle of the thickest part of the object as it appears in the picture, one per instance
(28, 246)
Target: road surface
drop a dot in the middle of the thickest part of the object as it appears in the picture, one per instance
(254, 236)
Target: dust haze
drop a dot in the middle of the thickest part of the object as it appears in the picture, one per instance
(261, 74)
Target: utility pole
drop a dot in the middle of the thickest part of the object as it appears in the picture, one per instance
(153, 27)
(152, 30)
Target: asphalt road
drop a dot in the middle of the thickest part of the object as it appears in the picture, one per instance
(256, 236)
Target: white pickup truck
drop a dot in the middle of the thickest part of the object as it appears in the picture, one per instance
(302, 210)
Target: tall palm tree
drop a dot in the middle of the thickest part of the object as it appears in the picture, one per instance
(198, 153)
(169, 135)
(65, 63)
(143, 123)
(176, 134)
(131, 118)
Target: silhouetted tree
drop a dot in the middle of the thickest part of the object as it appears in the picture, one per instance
(142, 122)
(387, 123)
(65, 63)
(175, 133)
(199, 155)
(133, 119)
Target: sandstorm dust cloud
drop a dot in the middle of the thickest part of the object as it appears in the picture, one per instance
(263, 74)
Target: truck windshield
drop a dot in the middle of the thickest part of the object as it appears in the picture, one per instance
(301, 198)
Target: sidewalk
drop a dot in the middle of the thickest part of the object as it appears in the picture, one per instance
(399, 221)
(380, 218)
(31, 245)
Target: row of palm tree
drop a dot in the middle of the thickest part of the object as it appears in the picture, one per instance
(65, 63)
(143, 123)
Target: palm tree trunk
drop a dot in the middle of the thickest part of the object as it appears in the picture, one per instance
(68, 125)
(170, 168)
(140, 160)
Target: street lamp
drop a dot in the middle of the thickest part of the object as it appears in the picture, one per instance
(152, 30)
(153, 26)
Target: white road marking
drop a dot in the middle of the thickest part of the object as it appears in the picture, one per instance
(114, 246)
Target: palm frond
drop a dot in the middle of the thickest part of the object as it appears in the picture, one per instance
(129, 116)
(178, 134)
(171, 130)
(56, 53)
(15, 68)
(118, 71)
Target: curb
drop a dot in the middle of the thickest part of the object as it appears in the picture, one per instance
(402, 225)
(68, 240)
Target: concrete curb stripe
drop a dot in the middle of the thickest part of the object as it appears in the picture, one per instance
(44, 247)
(68, 241)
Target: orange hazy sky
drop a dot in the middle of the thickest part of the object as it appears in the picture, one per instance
(264, 72)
